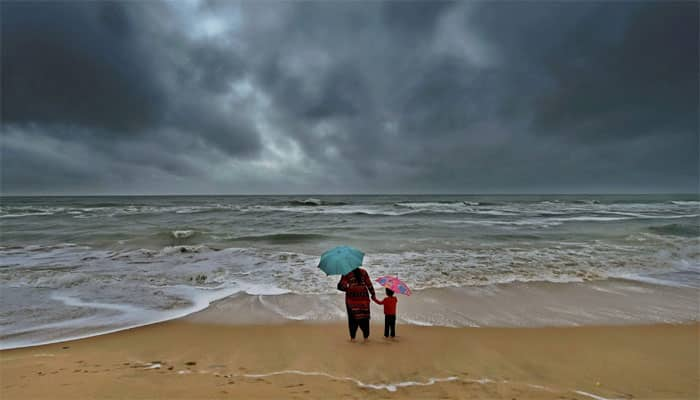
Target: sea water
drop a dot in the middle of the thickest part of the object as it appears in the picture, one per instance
(78, 266)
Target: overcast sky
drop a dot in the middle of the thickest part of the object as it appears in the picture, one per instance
(358, 97)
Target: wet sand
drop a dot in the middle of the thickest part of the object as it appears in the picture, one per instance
(519, 304)
(189, 360)
(514, 305)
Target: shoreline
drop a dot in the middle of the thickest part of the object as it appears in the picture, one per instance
(519, 304)
(187, 359)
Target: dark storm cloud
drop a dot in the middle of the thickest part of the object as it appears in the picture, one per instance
(569, 75)
(75, 63)
(415, 19)
(645, 81)
(220, 96)
(98, 73)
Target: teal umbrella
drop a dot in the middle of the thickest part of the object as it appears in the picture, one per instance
(340, 260)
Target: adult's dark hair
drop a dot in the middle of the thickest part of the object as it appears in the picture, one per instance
(358, 274)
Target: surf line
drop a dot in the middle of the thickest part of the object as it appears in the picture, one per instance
(392, 387)
(591, 395)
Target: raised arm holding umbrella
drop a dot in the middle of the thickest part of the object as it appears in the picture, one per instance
(393, 285)
(355, 282)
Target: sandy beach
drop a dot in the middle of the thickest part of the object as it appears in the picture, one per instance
(191, 360)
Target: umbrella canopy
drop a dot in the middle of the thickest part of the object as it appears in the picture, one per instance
(340, 260)
(395, 284)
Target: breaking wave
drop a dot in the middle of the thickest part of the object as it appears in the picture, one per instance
(183, 234)
(316, 202)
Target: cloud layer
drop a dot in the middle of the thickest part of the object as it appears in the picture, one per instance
(292, 97)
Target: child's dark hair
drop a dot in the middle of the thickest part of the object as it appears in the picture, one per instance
(389, 292)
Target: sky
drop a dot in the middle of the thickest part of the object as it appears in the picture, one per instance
(224, 97)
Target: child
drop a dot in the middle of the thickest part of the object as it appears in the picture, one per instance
(389, 313)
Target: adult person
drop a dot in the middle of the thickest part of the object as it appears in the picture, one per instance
(357, 287)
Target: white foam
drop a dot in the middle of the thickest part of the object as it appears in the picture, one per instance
(417, 322)
(540, 387)
(451, 207)
(686, 203)
(591, 395)
(182, 234)
(651, 279)
(339, 210)
(312, 201)
(199, 303)
(25, 215)
(588, 219)
(390, 387)
(76, 302)
(262, 289)
(540, 222)
(494, 212)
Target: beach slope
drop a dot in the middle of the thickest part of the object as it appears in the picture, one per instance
(186, 360)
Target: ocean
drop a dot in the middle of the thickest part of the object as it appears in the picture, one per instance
(79, 266)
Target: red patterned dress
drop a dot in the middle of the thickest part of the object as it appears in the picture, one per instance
(357, 293)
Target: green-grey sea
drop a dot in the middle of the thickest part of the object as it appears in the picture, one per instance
(72, 266)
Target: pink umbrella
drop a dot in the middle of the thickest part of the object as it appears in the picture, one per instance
(395, 284)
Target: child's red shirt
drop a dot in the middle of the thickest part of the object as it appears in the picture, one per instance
(389, 305)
